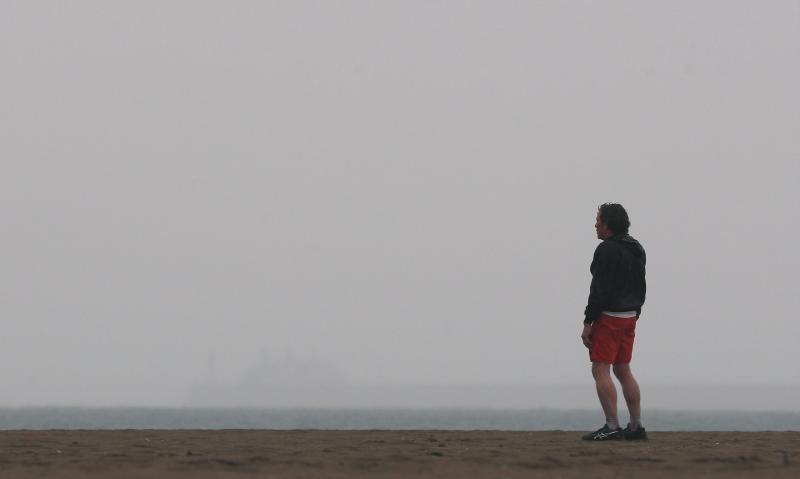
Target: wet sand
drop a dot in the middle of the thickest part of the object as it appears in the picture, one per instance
(392, 454)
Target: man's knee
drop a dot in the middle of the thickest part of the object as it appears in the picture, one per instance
(622, 371)
(601, 370)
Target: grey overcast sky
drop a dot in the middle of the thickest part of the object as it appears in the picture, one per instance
(405, 189)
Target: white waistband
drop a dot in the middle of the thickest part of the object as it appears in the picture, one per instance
(620, 314)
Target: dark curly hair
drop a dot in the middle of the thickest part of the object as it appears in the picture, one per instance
(615, 217)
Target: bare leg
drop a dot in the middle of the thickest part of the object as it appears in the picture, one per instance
(630, 389)
(606, 391)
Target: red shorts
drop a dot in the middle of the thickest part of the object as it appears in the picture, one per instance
(612, 339)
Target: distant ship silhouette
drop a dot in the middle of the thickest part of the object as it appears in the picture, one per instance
(273, 383)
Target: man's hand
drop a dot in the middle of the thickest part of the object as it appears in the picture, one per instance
(586, 335)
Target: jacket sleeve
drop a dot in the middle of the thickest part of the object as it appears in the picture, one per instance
(599, 289)
(644, 286)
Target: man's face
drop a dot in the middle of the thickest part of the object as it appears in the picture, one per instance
(602, 229)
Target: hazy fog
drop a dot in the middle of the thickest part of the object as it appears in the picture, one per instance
(404, 189)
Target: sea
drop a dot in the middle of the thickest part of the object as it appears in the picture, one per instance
(540, 419)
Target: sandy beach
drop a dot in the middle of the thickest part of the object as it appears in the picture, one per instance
(391, 454)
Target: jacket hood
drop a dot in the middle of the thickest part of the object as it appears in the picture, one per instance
(626, 238)
(629, 242)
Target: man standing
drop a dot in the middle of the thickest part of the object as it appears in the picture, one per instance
(615, 302)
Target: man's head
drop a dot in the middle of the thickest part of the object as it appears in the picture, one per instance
(612, 219)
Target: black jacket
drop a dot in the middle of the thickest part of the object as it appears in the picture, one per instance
(618, 282)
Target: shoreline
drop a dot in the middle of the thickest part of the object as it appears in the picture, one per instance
(457, 419)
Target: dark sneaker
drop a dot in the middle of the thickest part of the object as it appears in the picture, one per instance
(605, 433)
(635, 435)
